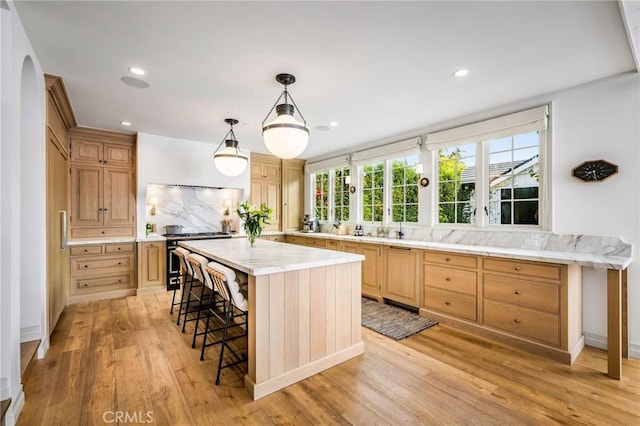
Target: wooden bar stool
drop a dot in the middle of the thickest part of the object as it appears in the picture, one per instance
(235, 313)
(186, 277)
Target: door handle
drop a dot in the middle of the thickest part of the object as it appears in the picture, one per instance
(63, 229)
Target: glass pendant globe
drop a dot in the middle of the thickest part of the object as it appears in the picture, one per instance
(230, 162)
(285, 137)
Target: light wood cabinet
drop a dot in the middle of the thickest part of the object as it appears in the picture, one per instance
(401, 279)
(372, 267)
(59, 120)
(278, 238)
(450, 284)
(100, 271)
(266, 186)
(151, 267)
(292, 194)
(102, 184)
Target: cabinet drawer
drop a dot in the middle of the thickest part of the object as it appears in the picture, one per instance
(295, 240)
(458, 260)
(539, 270)
(101, 265)
(102, 232)
(333, 245)
(448, 302)
(450, 279)
(315, 242)
(119, 248)
(118, 280)
(535, 295)
(523, 322)
(85, 250)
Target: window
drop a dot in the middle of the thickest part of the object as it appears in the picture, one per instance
(513, 180)
(456, 184)
(322, 195)
(404, 189)
(373, 192)
(491, 173)
(341, 197)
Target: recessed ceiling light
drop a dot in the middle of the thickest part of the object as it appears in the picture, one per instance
(125, 123)
(461, 72)
(134, 82)
(137, 71)
(333, 124)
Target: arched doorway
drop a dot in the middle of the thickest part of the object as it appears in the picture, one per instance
(32, 195)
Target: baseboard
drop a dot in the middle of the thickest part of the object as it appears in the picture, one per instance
(43, 348)
(600, 342)
(15, 409)
(28, 334)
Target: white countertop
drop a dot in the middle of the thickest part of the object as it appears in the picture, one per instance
(267, 257)
(598, 261)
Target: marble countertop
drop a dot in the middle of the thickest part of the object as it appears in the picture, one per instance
(267, 257)
(598, 261)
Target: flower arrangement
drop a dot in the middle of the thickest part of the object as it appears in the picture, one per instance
(253, 219)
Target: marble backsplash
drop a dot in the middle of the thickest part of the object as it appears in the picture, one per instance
(544, 241)
(197, 209)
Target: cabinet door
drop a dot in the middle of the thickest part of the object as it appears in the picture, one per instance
(401, 276)
(371, 269)
(255, 196)
(271, 197)
(151, 264)
(271, 171)
(119, 201)
(117, 155)
(88, 152)
(292, 196)
(86, 195)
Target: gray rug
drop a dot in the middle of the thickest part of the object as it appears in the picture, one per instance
(392, 321)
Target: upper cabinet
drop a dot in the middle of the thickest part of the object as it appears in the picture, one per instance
(279, 184)
(103, 201)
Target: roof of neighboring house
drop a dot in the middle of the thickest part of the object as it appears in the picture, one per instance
(498, 170)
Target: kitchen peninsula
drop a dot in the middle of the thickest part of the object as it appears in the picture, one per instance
(304, 308)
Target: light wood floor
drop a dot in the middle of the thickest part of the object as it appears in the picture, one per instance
(128, 355)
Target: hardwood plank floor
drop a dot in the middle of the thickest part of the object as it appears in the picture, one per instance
(127, 355)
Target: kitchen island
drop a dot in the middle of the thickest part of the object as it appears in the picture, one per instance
(304, 308)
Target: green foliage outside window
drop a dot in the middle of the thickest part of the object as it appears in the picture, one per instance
(341, 191)
(404, 190)
(322, 196)
(373, 192)
(455, 197)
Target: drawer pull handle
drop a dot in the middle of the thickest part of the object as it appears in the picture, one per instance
(447, 303)
(447, 259)
(448, 279)
(517, 321)
(517, 268)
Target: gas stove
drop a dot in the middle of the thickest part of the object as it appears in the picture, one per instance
(197, 235)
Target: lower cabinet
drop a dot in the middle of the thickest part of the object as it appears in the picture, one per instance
(278, 238)
(100, 271)
(371, 266)
(401, 275)
(152, 276)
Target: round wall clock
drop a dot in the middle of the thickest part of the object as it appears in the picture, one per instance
(594, 171)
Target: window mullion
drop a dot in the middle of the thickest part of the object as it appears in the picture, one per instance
(482, 184)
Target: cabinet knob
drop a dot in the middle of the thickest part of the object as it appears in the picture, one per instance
(104, 210)
(119, 263)
(517, 268)
(85, 250)
(99, 210)
(104, 161)
(447, 303)
(119, 281)
(517, 321)
(448, 279)
(86, 284)
(86, 266)
(119, 248)
(517, 291)
(447, 259)
(103, 232)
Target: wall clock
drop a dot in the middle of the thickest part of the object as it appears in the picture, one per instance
(594, 171)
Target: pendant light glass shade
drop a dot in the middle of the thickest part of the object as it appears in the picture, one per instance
(285, 136)
(230, 161)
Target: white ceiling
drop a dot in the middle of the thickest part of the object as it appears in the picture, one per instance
(380, 69)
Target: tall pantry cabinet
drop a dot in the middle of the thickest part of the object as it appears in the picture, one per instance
(59, 119)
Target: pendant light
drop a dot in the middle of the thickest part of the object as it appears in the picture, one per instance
(230, 161)
(285, 136)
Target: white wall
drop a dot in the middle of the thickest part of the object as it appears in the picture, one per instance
(173, 161)
(15, 48)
